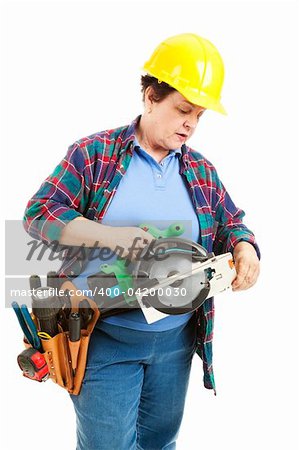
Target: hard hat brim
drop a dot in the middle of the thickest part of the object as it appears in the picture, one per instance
(195, 99)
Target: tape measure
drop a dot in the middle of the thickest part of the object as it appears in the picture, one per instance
(33, 365)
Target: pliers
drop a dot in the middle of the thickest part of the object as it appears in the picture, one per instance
(27, 325)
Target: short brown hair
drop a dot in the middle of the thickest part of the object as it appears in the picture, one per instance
(161, 89)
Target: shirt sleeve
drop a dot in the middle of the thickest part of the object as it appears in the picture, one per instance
(61, 197)
(229, 224)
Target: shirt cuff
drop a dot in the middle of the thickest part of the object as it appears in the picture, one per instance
(250, 239)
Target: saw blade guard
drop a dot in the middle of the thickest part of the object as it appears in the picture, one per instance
(167, 257)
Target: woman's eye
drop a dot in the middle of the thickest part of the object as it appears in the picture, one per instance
(184, 111)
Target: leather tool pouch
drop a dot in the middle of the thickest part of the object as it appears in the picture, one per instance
(60, 353)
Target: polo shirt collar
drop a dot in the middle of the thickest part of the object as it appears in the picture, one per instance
(127, 145)
(171, 152)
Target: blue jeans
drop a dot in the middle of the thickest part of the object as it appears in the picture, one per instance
(134, 389)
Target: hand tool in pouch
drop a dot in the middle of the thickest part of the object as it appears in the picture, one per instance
(86, 313)
(74, 337)
(31, 361)
(33, 365)
(48, 307)
(27, 325)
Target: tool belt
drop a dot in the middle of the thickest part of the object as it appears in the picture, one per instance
(62, 355)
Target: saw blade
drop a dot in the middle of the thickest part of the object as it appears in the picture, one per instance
(182, 292)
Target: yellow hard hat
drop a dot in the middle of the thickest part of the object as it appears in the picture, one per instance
(193, 66)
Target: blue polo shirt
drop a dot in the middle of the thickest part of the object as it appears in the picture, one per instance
(152, 193)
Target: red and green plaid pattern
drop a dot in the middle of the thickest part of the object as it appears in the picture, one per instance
(85, 181)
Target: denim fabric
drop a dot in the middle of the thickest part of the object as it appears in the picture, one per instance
(134, 389)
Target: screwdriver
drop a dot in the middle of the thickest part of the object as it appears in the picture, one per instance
(86, 313)
(74, 338)
(64, 312)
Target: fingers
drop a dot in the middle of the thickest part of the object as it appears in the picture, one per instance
(247, 266)
(242, 270)
(133, 250)
(246, 277)
(147, 238)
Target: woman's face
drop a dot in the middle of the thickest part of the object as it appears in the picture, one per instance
(172, 120)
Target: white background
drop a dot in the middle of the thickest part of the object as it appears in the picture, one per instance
(73, 68)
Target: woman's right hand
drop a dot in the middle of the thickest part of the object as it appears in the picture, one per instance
(81, 231)
(127, 242)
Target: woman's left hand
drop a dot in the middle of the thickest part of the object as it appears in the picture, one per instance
(247, 266)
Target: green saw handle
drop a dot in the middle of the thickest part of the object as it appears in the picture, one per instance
(175, 229)
(120, 267)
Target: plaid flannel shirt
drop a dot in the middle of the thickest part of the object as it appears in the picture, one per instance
(84, 183)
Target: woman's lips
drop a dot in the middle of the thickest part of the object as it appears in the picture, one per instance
(182, 137)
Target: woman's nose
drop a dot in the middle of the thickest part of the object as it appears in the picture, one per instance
(190, 124)
(191, 121)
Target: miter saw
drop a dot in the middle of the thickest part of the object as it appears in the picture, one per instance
(172, 276)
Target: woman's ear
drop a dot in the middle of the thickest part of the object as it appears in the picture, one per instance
(148, 99)
(149, 96)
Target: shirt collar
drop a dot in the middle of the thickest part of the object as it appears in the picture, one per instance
(171, 152)
(129, 140)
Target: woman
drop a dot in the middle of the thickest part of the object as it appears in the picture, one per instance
(137, 374)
